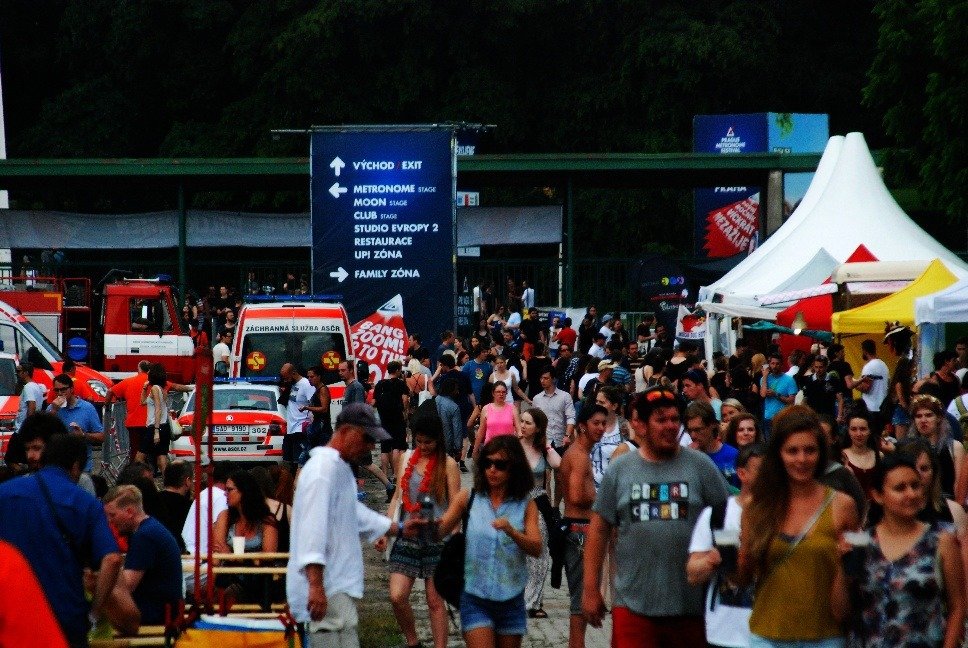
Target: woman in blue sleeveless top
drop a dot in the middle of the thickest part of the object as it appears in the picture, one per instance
(502, 530)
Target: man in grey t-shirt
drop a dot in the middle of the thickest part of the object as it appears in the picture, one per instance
(653, 496)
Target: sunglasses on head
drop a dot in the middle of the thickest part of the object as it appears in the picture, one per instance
(659, 394)
(497, 464)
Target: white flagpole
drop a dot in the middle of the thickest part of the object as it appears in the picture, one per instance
(4, 201)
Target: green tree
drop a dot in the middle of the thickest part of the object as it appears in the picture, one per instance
(918, 84)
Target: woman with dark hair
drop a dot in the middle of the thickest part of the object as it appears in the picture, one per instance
(541, 458)
(900, 392)
(498, 417)
(616, 430)
(502, 529)
(910, 589)
(248, 517)
(789, 539)
(427, 475)
(861, 452)
(534, 367)
(650, 373)
(938, 510)
(743, 430)
(157, 438)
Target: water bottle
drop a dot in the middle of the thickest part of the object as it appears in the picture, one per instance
(427, 513)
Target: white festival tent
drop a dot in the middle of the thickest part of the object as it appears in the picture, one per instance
(845, 206)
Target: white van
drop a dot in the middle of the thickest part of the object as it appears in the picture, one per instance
(309, 334)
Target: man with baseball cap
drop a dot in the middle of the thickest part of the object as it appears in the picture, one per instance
(590, 388)
(325, 572)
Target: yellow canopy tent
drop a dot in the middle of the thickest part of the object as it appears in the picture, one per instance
(867, 321)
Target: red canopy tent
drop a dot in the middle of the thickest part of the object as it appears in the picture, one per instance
(817, 310)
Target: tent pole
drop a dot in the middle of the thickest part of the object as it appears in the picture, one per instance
(570, 229)
(774, 201)
(182, 243)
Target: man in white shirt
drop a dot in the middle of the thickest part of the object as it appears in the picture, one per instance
(221, 351)
(727, 617)
(297, 411)
(324, 577)
(527, 296)
(597, 349)
(220, 472)
(608, 327)
(31, 396)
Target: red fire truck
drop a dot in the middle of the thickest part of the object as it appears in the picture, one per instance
(134, 320)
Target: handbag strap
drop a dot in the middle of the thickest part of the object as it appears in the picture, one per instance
(467, 513)
(810, 524)
(65, 535)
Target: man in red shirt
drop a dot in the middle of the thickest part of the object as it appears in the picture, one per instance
(567, 335)
(136, 419)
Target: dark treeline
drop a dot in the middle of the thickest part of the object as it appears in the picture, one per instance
(209, 78)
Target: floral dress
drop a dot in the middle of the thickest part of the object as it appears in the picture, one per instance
(901, 602)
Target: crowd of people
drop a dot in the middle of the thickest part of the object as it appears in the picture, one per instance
(754, 503)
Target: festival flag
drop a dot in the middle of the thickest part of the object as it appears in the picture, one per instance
(381, 337)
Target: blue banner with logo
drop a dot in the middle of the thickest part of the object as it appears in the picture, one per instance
(383, 222)
(728, 218)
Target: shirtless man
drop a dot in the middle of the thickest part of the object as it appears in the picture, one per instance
(579, 495)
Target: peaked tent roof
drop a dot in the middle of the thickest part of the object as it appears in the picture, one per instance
(817, 310)
(870, 318)
(854, 207)
(733, 281)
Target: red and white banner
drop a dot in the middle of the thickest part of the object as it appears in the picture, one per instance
(689, 325)
(381, 337)
(732, 228)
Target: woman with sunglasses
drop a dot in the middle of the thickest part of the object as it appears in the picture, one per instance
(789, 539)
(426, 471)
(502, 530)
(247, 516)
(910, 589)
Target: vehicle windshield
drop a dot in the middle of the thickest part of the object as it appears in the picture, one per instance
(304, 349)
(47, 347)
(241, 398)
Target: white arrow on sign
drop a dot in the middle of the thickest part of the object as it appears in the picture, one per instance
(340, 273)
(336, 190)
(337, 165)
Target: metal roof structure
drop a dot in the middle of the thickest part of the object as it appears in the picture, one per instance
(582, 169)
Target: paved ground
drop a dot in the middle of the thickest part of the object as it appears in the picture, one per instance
(542, 633)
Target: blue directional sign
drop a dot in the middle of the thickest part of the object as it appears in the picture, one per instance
(383, 222)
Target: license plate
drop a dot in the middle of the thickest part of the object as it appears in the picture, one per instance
(241, 429)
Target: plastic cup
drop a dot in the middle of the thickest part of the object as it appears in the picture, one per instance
(727, 543)
(854, 559)
(238, 544)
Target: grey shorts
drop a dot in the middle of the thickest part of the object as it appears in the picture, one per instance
(574, 568)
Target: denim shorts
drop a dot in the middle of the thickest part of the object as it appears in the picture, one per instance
(504, 617)
(760, 642)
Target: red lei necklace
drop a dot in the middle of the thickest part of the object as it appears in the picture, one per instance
(404, 485)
